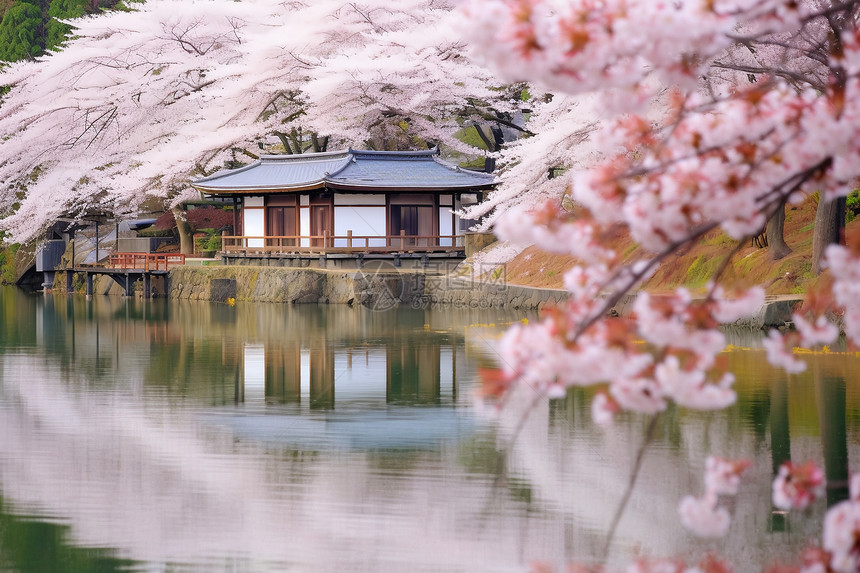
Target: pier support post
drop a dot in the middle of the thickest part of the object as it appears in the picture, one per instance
(147, 285)
(70, 281)
(47, 281)
(89, 278)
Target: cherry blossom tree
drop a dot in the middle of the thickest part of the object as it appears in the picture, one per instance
(703, 114)
(139, 102)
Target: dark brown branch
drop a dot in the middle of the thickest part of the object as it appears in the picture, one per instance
(786, 74)
(634, 474)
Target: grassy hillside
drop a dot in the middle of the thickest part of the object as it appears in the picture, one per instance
(695, 266)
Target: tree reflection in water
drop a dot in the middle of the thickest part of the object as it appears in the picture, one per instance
(208, 437)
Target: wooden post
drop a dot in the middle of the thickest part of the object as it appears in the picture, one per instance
(349, 239)
(235, 217)
(70, 277)
(89, 278)
(147, 285)
(402, 239)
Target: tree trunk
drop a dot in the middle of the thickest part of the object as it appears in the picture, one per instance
(776, 244)
(829, 229)
(183, 229)
(285, 142)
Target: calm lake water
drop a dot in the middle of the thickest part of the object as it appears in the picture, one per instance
(177, 436)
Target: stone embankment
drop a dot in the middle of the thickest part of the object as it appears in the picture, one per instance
(383, 287)
(377, 287)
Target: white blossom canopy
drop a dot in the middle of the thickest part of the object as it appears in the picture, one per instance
(140, 101)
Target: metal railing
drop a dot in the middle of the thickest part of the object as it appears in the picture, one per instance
(349, 243)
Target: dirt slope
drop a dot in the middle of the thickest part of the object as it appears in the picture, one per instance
(694, 267)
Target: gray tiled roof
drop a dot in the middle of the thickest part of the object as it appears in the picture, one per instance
(276, 172)
(402, 170)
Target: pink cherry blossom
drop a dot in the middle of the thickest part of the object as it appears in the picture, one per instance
(723, 476)
(779, 356)
(690, 388)
(638, 395)
(845, 268)
(703, 517)
(822, 331)
(728, 310)
(797, 486)
(841, 536)
(603, 410)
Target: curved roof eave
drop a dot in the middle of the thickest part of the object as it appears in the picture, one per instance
(354, 170)
(224, 172)
(257, 189)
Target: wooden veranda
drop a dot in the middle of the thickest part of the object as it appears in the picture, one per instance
(125, 269)
(343, 244)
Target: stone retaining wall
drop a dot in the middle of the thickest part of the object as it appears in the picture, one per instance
(384, 287)
(379, 288)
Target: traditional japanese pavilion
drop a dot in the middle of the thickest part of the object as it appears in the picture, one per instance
(347, 202)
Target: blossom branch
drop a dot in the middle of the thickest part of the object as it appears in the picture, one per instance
(634, 475)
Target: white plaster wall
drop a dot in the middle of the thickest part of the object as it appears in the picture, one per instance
(254, 225)
(305, 225)
(445, 226)
(362, 199)
(361, 221)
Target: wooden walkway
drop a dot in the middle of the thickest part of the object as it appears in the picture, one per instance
(126, 269)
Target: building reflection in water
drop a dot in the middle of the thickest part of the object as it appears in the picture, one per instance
(322, 372)
(313, 356)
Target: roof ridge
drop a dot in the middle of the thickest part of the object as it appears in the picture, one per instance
(300, 156)
(394, 154)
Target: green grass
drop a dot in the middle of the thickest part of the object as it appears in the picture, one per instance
(701, 270)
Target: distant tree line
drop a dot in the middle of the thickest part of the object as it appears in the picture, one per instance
(29, 28)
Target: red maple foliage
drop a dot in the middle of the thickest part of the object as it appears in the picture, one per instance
(199, 218)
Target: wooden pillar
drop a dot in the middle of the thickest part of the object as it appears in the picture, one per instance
(89, 280)
(235, 217)
(70, 279)
(147, 285)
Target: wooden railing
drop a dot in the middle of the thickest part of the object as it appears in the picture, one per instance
(146, 261)
(348, 243)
